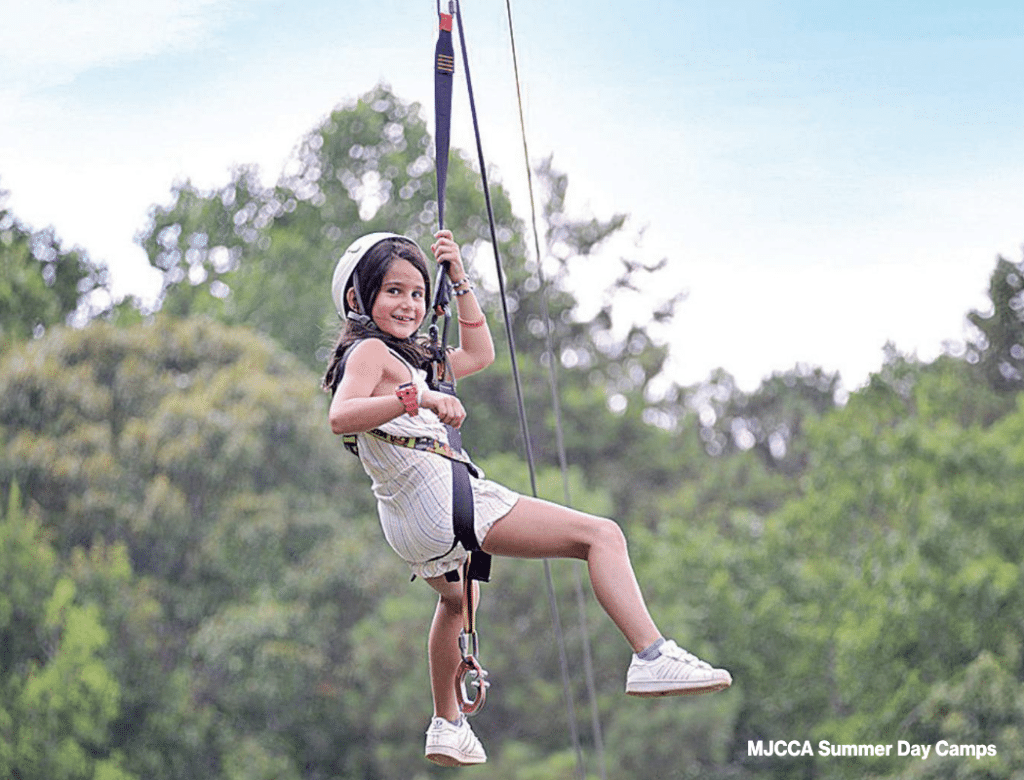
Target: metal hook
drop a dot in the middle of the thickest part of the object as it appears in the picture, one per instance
(469, 647)
(471, 667)
(469, 644)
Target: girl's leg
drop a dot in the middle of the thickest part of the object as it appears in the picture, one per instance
(443, 646)
(540, 529)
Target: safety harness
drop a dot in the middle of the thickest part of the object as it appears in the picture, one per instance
(421, 443)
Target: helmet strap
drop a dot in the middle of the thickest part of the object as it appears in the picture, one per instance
(362, 319)
(361, 316)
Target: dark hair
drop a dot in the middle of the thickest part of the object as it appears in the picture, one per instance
(369, 274)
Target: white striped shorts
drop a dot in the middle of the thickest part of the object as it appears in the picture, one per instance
(415, 509)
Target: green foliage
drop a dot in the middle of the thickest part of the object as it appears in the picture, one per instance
(769, 421)
(998, 345)
(193, 499)
(983, 706)
(254, 255)
(58, 695)
(184, 472)
(873, 590)
(41, 283)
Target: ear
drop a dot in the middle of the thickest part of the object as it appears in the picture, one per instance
(350, 299)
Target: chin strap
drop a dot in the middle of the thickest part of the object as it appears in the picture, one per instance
(361, 316)
(362, 319)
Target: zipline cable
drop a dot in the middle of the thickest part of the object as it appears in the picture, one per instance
(456, 11)
(588, 663)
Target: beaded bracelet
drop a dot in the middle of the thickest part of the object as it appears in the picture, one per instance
(463, 291)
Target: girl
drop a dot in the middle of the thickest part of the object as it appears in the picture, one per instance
(377, 375)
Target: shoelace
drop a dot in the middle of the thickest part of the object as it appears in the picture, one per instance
(676, 653)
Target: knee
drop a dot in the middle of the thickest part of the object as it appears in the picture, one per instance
(607, 535)
(451, 602)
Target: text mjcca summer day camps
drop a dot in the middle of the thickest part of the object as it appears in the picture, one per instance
(795, 748)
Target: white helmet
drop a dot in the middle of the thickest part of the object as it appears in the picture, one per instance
(350, 259)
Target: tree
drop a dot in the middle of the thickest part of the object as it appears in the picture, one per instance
(202, 454)
(255, 255)
(41, 283)
(983, 707)
(58, 696)
(998, 343)
(770, 421)
(885, 580)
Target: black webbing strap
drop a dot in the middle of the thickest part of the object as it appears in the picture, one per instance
(462, 492)
(444, 71)
(463, 514)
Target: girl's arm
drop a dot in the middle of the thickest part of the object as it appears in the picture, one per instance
(366, 396)
(355, 408)
(476, 348)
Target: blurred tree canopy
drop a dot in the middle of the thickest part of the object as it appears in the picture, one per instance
(59, 697)
(254, 255)
(998, 345)
(202, 453)
(193, 583)
(42, 283)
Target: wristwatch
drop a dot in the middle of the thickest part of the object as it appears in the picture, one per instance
(409, 396)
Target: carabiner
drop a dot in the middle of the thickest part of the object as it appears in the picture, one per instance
(469, 647)
(470, 666)
(469, 643)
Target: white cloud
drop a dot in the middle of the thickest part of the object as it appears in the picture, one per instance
(49, 42)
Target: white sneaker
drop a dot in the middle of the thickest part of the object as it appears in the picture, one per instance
(674, 673)
(451, 745)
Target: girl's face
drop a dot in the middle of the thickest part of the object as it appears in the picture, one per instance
(401, 303)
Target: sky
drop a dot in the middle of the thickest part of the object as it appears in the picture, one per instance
(822, 177)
